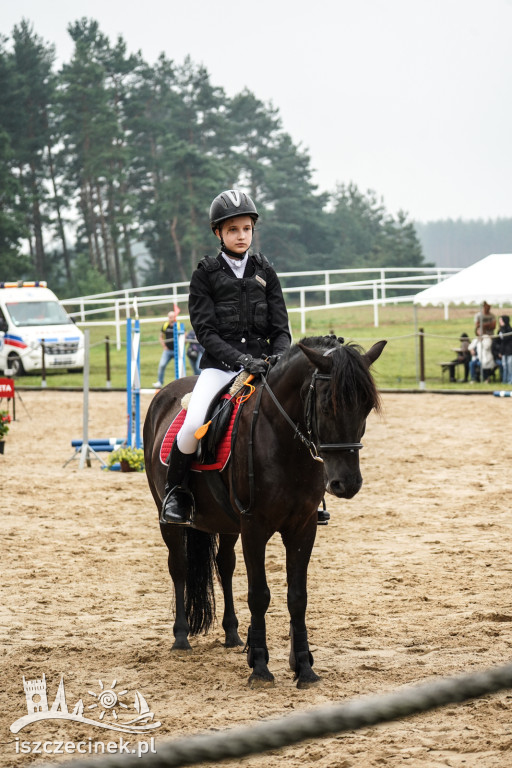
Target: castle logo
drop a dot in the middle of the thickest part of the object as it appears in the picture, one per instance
(106, 709)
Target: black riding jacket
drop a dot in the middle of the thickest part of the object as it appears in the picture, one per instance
(232, 315)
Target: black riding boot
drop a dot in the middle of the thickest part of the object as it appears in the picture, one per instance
(178, 503)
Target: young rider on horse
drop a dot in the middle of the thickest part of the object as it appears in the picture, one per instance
(238, 313)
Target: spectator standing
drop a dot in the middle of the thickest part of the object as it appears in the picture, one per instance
(485, 321)
(505, 334)
(167, 343)
(194, 351)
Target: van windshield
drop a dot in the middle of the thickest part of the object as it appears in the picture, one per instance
(37, 313)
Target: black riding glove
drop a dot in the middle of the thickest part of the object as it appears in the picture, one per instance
(250, 364)
(272, 360)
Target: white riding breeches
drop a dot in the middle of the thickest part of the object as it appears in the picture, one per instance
(210, 381)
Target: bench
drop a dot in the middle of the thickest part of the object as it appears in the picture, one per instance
(492, 374)
(445, 367)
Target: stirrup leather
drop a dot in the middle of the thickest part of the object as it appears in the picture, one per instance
(323, 515)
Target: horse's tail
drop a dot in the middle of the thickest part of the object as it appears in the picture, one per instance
(201, 549)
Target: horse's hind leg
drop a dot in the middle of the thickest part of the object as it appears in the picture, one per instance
(298, 551)
(174, 538)
(226, 561)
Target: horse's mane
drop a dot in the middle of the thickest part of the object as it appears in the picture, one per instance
(353, 386)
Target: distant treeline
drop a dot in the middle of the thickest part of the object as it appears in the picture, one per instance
(460, 243)
(109, 163)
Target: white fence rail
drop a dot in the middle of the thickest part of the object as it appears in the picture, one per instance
(120, 304)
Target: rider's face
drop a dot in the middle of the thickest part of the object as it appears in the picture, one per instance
(236, 233)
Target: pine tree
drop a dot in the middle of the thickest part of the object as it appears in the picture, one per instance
(93, 95)
(14, 266)
(175, 120)
(32, 60)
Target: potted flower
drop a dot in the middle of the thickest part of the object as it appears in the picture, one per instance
(130, 459)
(5, 419)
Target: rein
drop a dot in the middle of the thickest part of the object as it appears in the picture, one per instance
(305, 440)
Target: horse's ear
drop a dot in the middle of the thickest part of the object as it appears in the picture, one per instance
(319, 359)
(374, 352)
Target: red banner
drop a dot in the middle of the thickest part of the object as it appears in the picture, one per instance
(6, 388)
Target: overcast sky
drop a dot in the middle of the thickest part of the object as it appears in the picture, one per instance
(410, 98)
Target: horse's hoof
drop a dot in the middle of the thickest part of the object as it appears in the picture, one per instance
(309, 682)
(181, 645)
(261, 682)
(233, 641)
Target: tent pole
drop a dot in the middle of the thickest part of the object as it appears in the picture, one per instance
(481, 341)
(416, 342)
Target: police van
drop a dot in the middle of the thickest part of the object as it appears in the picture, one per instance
(30, 316)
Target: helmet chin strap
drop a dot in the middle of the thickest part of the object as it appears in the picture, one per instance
(229, 253)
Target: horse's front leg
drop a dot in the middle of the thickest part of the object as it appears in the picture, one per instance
(226, 561)
(299, 544)
(254, 545)
(174, 539)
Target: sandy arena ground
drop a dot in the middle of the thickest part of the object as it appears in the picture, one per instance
(411, 580)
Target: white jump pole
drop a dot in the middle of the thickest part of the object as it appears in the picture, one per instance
(84, 453)
(133, 379)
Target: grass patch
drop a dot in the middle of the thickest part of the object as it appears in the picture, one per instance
(398, 367)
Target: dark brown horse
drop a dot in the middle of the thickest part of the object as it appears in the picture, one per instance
(297, 436)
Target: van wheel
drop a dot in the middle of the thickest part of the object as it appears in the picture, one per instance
(75, 370)
(15, 364)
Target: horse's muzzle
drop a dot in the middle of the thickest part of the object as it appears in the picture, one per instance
(344, 488)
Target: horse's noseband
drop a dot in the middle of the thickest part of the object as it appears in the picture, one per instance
(311, 421)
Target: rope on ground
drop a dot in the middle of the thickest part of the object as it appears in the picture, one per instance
(325, 721)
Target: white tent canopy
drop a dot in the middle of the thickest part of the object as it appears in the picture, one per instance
(487, 280)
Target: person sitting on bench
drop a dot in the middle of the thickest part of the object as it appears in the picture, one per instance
(481, 355)
(463, 356)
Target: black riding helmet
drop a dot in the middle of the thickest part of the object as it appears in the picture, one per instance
(229, 204)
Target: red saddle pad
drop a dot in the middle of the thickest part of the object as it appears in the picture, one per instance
(223, 448)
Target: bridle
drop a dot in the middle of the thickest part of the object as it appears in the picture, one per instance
(311, 426)
(310, 419)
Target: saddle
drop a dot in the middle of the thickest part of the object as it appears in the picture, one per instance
(214, 448)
